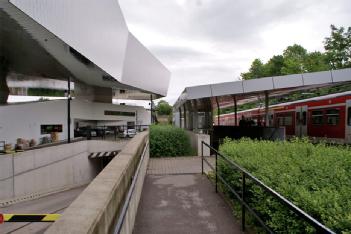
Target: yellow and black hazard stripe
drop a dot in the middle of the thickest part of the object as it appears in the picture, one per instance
(30, 217)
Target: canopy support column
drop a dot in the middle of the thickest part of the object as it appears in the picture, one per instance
(235, 111)
(196, 117)
(266, 95)
(151, 114)
(69, 110)
(218, 112)
(180, 117)
(185, 117)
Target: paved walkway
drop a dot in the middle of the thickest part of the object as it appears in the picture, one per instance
(178, 165)
(176, 199)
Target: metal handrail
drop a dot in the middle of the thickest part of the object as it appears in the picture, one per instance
(245, 174)
(125, 207)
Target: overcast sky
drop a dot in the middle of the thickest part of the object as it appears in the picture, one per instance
(211, 41)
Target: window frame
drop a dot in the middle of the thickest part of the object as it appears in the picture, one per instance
(313, 116)
(331, 115)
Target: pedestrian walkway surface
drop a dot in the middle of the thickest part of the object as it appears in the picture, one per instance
(176, 201)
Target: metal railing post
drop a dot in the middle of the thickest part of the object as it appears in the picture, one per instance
(202, 157)
(216, 172)
(243, 201)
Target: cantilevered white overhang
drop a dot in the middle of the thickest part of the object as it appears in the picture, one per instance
(249, 90)
(85, 39)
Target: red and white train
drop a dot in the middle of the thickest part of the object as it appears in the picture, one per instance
(325, 117)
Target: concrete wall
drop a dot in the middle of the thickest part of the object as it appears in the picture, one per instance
(96, 210)
(129, 221)
(24, 120)
(50, 169)
(196, 139)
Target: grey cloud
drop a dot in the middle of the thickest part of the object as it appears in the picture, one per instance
(177, 53)
(234, 29)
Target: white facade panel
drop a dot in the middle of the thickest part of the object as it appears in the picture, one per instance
(200, 91)
(281, 82)
(261, 84)
(316, 78)
(341, 75)
(143, 70)
(94, 28)
(227, 88)
(24, 120)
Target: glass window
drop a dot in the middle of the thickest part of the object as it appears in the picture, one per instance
(284, 121)
(288, 121)
(349, 116)
(317, 117)
(333, 116)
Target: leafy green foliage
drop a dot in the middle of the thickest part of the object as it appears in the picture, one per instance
(257, 70)
(167, 140)
(316, 178)
(163, 108)
(296, 59)
(338, 47)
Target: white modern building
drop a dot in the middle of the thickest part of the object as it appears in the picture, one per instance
(84, 44)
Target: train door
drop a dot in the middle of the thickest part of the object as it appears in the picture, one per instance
(301, 121)
(348, 121)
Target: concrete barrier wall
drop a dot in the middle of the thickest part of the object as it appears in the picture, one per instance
(196, 139)
(97, 208)
(50, 169)
(128, 224)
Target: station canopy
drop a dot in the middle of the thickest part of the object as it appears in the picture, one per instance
(245, 91)
(86, 40)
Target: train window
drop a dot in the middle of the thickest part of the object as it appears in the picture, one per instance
(349, 116)
(284, 121)
(317, 117)
(304, 118)
(333, 117)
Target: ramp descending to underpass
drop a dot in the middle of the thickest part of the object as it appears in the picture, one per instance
(98, 208)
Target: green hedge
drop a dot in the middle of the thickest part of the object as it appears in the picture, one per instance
(316, 178)
(166, 140)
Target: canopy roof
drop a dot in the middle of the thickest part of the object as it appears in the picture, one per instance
(250, 90)
(85, 39)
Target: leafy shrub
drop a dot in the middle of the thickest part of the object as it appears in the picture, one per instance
(167, 140)
(316, 178)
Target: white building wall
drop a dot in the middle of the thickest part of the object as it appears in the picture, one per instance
(50, 169)
(24, 120)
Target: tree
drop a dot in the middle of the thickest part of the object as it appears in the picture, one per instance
(294, 60)
(163, 108)
(274, 65)
(316, 61)
(257, 70)
(338, 47)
